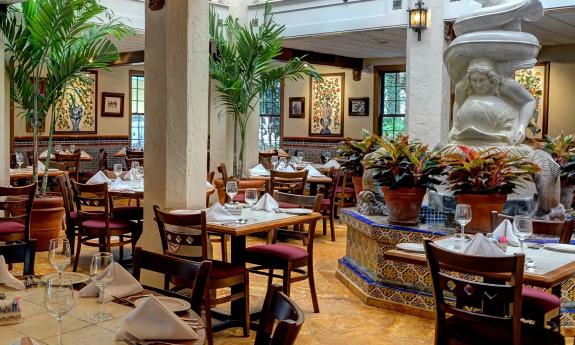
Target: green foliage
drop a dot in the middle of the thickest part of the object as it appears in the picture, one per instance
(486, 172)
(351, 152)
(404, 163)
(562, 149)
(244, 66)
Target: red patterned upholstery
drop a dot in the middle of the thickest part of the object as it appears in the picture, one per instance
(98, 224)
(287, 205)
(539, 301)
(128, 212)
(274, 252)
(8, 227)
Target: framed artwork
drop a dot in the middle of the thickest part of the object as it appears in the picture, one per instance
(326, 105)
(42, 90)
(112, 104)
(536, 81)
(297, 107)
(76, 110)
(358, 106)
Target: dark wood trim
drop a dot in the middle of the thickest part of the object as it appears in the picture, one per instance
(377, 72)
(130, 74)
(129, 58)
(321, 58)
(74, 136)
(282, 89)
(545, 119)
(342, 113)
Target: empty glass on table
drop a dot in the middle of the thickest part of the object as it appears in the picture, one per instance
(275, 161)
(118, 170)
(462, 217)
(57, 148)
(523, 228)
(59, 254)
(232, 190)
(59, 300)
(102, 274)
(72, 148)
(282, 163)
(251, 198)
(135, 165)
(19, 160)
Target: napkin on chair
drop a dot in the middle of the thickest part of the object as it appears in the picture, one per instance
(119, 185)
(267, 203)
(98, 178)
(7, 278)
(25, 341)
(217, 213)
(481, 246)
(311, 171)
(332, 163)
(45, 154)
(151, 320)
(259, 170)
(121, 152)
(41, 166)
(123, 284)
(506, 229)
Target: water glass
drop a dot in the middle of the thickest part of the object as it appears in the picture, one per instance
(282, 163)
(59, 300)
(135, 165)
(274, 161)
(102, 274)
(251, 196)
(522, 228)
(72, 148)
(300, 157)
(462, 217)
(118, 170)
(232, 190)
(59, 254)
(57, 148)
(19, 160)
(140, 174)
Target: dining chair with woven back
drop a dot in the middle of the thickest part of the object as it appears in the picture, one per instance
(288, 182)
(70, 162)
(15, 214)
(185, 236)
(478, 300)
(288, 258)
(72, 218)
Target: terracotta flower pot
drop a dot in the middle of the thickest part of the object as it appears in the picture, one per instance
(403, 204)
(357, 185)
(242, 185)
(481, 207)
(46, 220)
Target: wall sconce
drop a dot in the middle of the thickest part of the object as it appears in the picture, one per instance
(418, 18)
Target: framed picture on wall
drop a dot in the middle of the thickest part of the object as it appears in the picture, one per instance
(326, 105)
(112, 104)
(536, 81)
(76, 110)
(297, 107)
(358, 106)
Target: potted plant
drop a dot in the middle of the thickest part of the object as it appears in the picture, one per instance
(483, 179)
(351, 153)
(405, 169)
(48, 44)
(562, 149)
(244, 66)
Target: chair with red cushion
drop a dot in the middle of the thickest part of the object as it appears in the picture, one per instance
(15, 210)
(96, 223)
(288, 258)
(185, 236)
(72, 217)
(345, 194)
(328, 202)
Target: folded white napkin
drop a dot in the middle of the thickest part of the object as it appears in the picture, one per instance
(286, 168)
(99, 178)
(259, 170)
(67, 152)
(119, 185)
(25, 341)
(7, 278)
(151, 320)
(41, 166)
(217, 213)
(266, 202)
(209, 185)
(481, 246)
(312, 171)
(506, 229)
(45, 154)
(84, 154)
(332, 163)
(123, 284)
(122, 151)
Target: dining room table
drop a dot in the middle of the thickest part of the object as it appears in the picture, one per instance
(26, 173)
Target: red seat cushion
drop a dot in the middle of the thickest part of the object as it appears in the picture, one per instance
(325, 202)
(287, 205)
(539, 301)
(345, 190)
(74, 215)
(128, 212)
(274, 252)
(9, 227)
(100, 224)
(240, 197)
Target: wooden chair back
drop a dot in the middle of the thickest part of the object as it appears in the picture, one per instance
(67, 193)
(103, 160)
(345, 198)
(175, 267)
(561, 229)
(290, 182)
(134, 154)
(183, 235)
(92, 201)
(71, 163)
(279, 312)
(494, 301)
(16, 206)
(30, 156)
(331, 192)
(224, 172)
(303, 201)
(210, 177)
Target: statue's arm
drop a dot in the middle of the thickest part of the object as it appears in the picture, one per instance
(524, 101)
(460, 96)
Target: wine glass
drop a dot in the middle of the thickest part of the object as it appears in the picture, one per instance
(251, 198)
(118, 170)
(19, 160)
(275, 160)
(523, 228)
(327, 156)
(140, 174)
(102, 274)
(59, 300)
(58, 148)
(135, 165)
(282, 163)
(462, 217)
(59, 254)
(72, 148)
(232, 190)
(300, 157)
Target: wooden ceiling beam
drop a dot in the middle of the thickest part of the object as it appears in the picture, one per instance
(129, 58)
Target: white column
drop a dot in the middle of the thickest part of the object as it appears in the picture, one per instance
(4, 124)
(176, 123)
(428, 84)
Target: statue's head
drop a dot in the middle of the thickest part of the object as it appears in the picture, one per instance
(481, 78)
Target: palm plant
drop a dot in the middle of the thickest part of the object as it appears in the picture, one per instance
(58, 40)
(244, 66)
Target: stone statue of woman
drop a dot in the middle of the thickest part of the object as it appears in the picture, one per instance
(489, 107)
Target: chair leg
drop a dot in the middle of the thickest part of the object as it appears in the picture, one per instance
(270, 277)
(121, 239)
(286, 280)
(324, 226)
(246, 308)
(77, 256)
(208, 314)
(332, 227)
(224, 244)
(310, 277)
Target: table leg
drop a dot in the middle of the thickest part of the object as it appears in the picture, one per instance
(312, 189)
(238, 244)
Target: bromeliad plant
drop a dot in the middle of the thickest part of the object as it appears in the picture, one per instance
(486, 172)
(351, 152)
(562, 149)
(405, 163)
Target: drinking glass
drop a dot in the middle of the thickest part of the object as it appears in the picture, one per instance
(59, 300)
(59, 254)
(523, 228)
(102, 274)
(232, 190)
(251, 196)
(275, 160)
(462, 217)
(58, 148)
(327, 156)
(72, 148)
(19, 160)
(118, 170)
(300, 157)
(140, 174)
(282, 163)
(135, 165)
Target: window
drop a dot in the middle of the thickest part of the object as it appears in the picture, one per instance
(270, 115)
(137, 110)
(392, 104)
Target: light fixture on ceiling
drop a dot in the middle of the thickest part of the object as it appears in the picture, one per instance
(418, 18)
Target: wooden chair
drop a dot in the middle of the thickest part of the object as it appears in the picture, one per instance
(486, 311)
(186, 237)
(217, 237)
(210, 179)
(103, 160)
(345, 194)
(15, 210)
(289, 316)
(71, 163)
(134, 156)
(561, 230)
(286, 257)
(72, 218)
(96, 223)
(288, 182)
(328, 209)
(175, 267)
